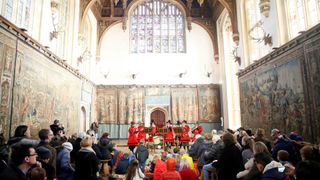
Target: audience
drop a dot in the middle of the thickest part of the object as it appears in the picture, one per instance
(224, 158)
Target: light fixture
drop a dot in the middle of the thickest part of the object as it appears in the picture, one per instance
(134, 76)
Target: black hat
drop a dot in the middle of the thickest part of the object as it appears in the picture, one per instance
(43, 153)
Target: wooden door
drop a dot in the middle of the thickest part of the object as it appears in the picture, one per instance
(159, 118)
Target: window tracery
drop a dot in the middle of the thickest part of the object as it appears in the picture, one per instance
(301, 15)
(157, 27)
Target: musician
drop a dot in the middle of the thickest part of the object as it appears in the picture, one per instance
(141, 134)
(132, 140)
(169, 136)
(153, 132)
(185, 138)
(197, 129)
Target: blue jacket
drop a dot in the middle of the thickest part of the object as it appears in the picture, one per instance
(64, 168)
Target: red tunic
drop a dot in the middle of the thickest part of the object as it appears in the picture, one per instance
(169, 137)
(141, 134)
(196, 131)
(132, 140)
(153, 133)
(185, 134)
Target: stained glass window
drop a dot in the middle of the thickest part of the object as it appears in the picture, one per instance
(9, 9)
(157, 27)
(301, 15)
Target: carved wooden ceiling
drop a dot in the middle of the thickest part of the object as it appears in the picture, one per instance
(202, 12)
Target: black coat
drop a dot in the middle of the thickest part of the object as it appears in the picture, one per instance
(12, 173)
(229, 163)
(86, 166)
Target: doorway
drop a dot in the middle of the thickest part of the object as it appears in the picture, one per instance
(159, 118)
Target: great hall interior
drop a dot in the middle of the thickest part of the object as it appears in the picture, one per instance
(222, 63)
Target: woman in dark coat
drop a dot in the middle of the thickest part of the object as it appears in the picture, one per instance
(86, 162)
(230, 160)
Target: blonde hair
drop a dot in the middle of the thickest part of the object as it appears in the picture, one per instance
(86, 141)
(184, 163)
(260, 147)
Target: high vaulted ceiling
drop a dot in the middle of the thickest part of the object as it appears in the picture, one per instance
(202, 12)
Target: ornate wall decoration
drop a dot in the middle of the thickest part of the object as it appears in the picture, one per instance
(209, 104)
(273, 96)
(44, 93)
(135, 103)
(312, 50)
(184, 104)
(7, 55)
(131, 105)
(106, 105)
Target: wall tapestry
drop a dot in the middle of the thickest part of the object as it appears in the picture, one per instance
(184, 104)
(209, 104)
(106, 105)
(274, 98)
(7, 55)
(43, 92)
(131, 105)
(312, 50)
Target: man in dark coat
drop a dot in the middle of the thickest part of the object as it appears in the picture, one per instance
(23, 157)
(142, 154)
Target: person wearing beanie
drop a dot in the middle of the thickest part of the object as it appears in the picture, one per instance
(44, 156)
(64, 168)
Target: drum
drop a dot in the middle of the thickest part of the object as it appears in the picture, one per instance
(156, 140)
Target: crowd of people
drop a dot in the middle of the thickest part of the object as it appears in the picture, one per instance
(223, 155)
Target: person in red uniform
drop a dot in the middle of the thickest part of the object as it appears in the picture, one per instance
(196, 130)
(132, 140)
(153, 131)
(169, 136)
(185, 138)
(141, 134)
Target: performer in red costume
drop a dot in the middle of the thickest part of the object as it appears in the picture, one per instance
(132, 140)
(185, 138)
(169, 136)
(141, 134)
(196, 130)
(153, 132)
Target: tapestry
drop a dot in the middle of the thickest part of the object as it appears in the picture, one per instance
(274, 98)
(7, 56)
(43, 92)
(106, 105)
(159, 91)
(209, 104)
(131, 105)
(184, 104)
(312, 52)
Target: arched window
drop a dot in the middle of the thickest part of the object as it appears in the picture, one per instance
(157, 27)
(255, 31)
(301, 15)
